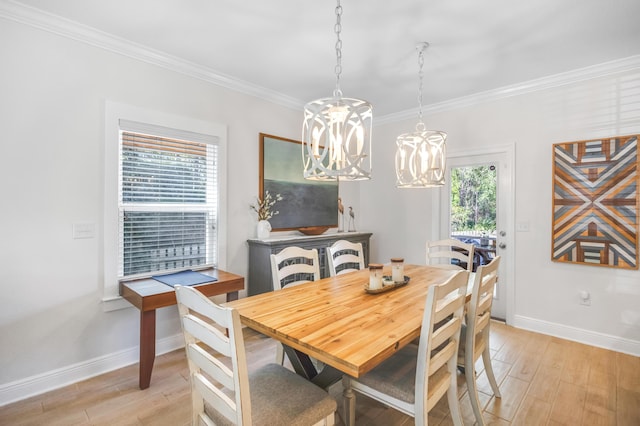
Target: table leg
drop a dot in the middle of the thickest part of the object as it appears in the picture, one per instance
(232, 295)
(301, 363)
(304, 367)
(327, 377)
(349, 402)
(147, 346)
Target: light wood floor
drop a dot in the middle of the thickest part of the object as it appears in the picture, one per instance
(543, 380)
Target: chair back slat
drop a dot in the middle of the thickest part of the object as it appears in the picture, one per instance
(200, 330)
(215, 397)
(438, 389)
(447, 307)
(443, 356)
(482, 321)
(344, 256)
(297, 268)
(211, 365)
(192, 301)
(448, 254)
(445, 331)
(484, 303)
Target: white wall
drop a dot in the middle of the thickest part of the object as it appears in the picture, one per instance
(546, 292)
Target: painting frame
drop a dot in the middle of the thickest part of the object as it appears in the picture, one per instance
(306, 203)
(596, 202)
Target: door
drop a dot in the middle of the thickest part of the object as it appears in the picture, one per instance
(495, 167)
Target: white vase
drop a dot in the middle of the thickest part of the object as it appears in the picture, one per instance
(263, 229)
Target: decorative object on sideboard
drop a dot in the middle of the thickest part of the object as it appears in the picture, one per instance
(263, 229)
(336, 133)
(264, 209)
(313, 230)
(420, 155)
(595, 202)
(340, 215)
(306, 203)
(352, 220)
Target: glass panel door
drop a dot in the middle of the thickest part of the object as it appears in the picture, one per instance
(477, 206)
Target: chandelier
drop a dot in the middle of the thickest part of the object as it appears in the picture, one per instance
(420, 156)
(336, 134)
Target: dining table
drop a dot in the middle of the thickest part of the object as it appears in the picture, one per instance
(336, 321)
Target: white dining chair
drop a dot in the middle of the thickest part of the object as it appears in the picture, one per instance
(293, 266)
(475, 334)
(450, 254)
(344, 256)
(416, 377)
(224, 392)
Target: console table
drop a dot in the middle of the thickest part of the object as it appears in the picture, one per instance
(148, 295)
(259, 279)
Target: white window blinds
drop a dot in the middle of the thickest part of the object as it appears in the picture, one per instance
(167, 200)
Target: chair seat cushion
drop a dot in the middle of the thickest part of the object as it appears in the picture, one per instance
(281, 397)
(396, 376)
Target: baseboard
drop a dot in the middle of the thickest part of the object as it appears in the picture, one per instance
(601, 340)
(41, 383)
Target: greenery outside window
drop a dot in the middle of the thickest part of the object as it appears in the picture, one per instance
(473, 199)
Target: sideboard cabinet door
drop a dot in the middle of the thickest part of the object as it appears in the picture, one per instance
(259, 280)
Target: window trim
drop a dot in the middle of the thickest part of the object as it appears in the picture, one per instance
(114, 112)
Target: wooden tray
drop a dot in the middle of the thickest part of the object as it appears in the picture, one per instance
(386, 287)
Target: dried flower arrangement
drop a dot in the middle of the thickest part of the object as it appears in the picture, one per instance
(264, 206)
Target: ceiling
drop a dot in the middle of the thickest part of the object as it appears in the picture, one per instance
(287, 47)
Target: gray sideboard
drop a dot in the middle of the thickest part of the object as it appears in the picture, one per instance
(259, 280)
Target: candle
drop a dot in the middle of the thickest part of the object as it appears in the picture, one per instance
(397, 269)
(375, 276)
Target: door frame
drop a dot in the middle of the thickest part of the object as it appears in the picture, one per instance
(506, 197)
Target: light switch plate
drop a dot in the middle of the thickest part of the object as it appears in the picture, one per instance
(522, 227)
(84, 230)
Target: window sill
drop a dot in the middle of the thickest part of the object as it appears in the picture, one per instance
(115, 303)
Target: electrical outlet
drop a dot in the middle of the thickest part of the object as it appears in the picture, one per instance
(585, 298)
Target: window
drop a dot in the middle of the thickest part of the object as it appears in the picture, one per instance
(167, 203)
(164, 193)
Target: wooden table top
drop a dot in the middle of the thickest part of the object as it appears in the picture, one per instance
(148, 294)
(335, 321)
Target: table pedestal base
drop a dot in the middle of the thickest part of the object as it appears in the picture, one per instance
(303, 366)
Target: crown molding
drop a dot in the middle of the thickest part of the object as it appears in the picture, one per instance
(67, 28)
(64, 27)
(595, 71)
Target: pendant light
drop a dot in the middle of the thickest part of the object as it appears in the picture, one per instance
(336, 134)
(420, 156)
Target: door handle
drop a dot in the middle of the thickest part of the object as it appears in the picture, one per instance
(502, 245)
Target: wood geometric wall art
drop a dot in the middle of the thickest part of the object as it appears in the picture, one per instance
(595, 202)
